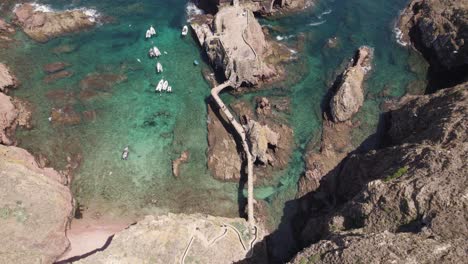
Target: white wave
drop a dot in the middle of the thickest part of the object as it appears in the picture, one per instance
(279, 37)
(324, 13)
(92, 14)
(191, 10)
(314, 24)
(399, 37)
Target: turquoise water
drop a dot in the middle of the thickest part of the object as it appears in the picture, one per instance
(158, 128)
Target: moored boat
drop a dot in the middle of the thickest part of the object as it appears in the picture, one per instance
(165, 85)
(184, 31)
(159, 67)
(156, 51)
(159, 86)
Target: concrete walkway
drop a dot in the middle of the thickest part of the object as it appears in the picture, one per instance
(242, 134)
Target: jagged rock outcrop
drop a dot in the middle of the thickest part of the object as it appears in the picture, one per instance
(8, 116)
(236, 46)
(224, 160)
(7, 79)
(6, 31)
(411, 193)
(439, 30)
(349, 96)
(335, 143)
(261, 139)
(43, 26)
(180, 239)
(35, 209)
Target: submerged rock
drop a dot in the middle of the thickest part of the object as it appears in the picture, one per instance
(177, 162)
(180, 239)
(65, 116)
(57, 76)
(349, 96)
(43, 26)
(55, 67)
(35, 209)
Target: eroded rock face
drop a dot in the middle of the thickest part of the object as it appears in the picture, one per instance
(413, 189)
(236, 46)
(35, 209)
(43, 26)
(261, 139)
(224, 160)
(7, 79)
(439, 29)
(262, 6)
(179, 238)
(8, 116)
(383, 247)
(349, 96)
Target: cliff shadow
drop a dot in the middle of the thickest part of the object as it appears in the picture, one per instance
(304, 219)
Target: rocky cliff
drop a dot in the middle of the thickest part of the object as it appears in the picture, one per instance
(43, 26)
(180, 239)
(35, 209)
(439, 30)
(409, 194)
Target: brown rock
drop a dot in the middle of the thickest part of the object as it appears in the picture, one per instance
(224, 160)
(55, 67)
(35, 209)
(24, 109)
(407, 195)
(349, 96)
(236, 45)
(7, 79)
(65, 116)
(184, 157)
(8, 120)
(101, 82)
(261, 139)
(263, 106)
(438, 29)
(43, 26)
(57, 76)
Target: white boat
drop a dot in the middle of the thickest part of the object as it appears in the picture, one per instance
(151, 53)
(159, 86)
(169, 89)
(159, 67)
(148, 34)
(184, 31)
(165, 85)
(152, 31)
(156, 51)
(125, 153)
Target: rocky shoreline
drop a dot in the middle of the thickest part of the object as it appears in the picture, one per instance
(404, 201)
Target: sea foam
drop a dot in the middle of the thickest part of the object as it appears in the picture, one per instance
(92, 14)
(192, 10)
(314, 24)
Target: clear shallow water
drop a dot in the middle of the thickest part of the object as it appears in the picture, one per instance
(158, 128)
